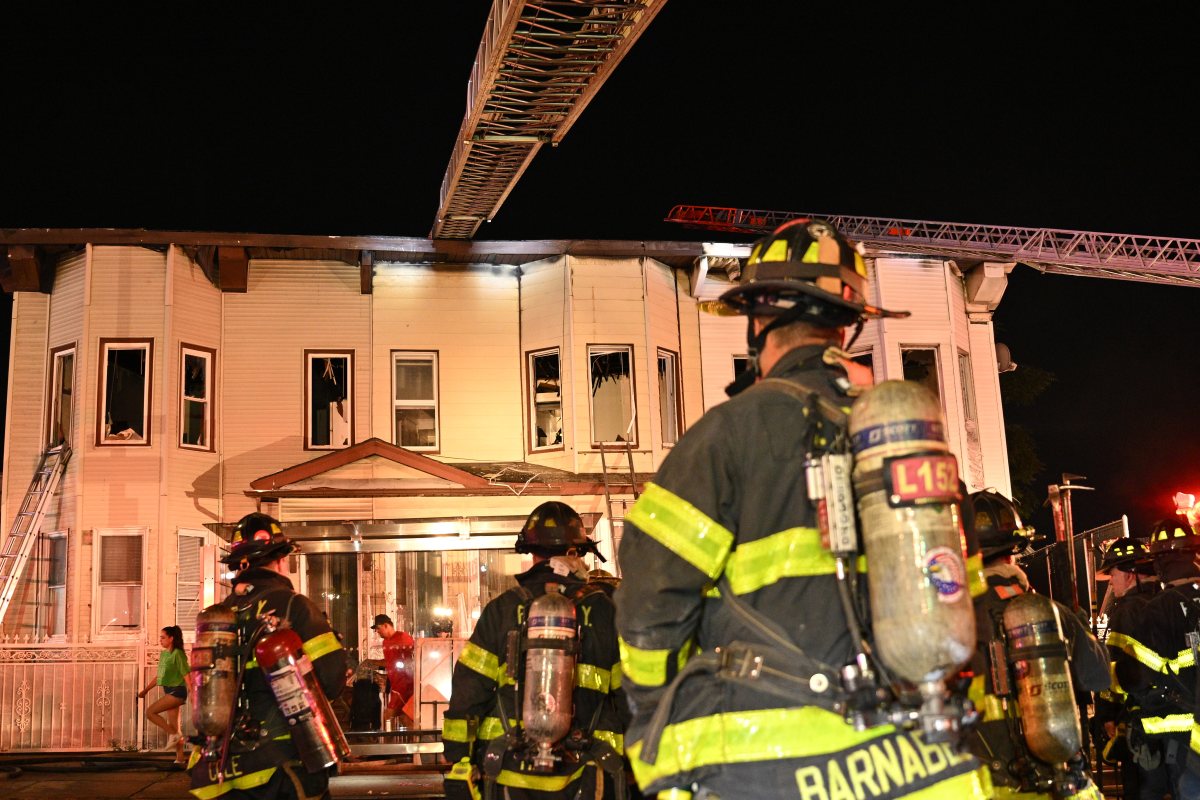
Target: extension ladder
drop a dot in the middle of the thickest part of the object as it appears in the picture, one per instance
(28, 521)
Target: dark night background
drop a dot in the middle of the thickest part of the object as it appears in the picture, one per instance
(297, 119)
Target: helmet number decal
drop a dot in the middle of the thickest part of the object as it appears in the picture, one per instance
(918, 480)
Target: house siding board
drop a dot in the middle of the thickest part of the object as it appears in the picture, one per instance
(721, 338)
(691, 360)
(544, 321)
(289, 307)
(599, 320)
(663, 327)
(479, 380)
(990, 408)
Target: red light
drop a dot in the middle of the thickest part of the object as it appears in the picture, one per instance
(1184, 502)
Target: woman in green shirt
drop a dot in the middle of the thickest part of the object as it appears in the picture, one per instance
(172, 672)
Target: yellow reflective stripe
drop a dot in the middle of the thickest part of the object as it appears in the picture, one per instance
(643, 667)
(1195, 739)
(322, 645)
(975, 580)
(589, 676)
(480, 660)
(248, 781)
(1137, 650)
(491, 727)
(794, 553)
(613, 739)
(968, 786)
(1172, 723)
(682, 528)
(989, 706)
(674, 794)
(252, 664)
(540, 783)
(614, 682)
(1115, 685)
(504, 679)
(1185, 659)
(455, 730)
(739, 736)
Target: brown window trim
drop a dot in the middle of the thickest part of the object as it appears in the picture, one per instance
(529, 391)
(632, 388)
(54, 352)
(212, 399)
(437, 396)
(102, 371)
(307, 412)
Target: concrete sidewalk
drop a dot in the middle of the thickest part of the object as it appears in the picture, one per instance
(148, 776)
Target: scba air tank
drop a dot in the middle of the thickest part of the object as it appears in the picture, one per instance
(906, 484)
(1037, 652)
(548, 707)
(213, 673)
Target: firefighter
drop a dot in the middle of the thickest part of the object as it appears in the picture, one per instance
(261, 760)
(1157, 663)
(996, 740)
(723, 548)
(1131, 585)
(554, 535)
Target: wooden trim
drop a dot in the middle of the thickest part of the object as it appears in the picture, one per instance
(371, 447)
(366, 271)
(50, 374)
(26, 268)
(352, 395)
(149, 395)
(632, 388)
(529, 392)
(437, 398)
(490, 490)
(678, 396)
(212, 398)
(233, 267)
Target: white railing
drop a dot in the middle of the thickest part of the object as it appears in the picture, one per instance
(64, 697)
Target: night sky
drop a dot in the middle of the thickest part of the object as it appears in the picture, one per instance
(289, 120)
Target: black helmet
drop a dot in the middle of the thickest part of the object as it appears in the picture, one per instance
(1173, 534)
(257, 539)
(998, 525)
(1128, 555)
(807, 270)
(553, 528)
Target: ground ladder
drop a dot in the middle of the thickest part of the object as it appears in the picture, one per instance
(614, 483)
(28, 521)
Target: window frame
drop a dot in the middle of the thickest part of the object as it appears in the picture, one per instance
(937, 364)
(676, 377)
(53, 411)
(210, 356)
(106, 344)
(632, 394)
(46, 553)
(967, 378)
(188, 627)
(531, 400)
(434, 359)
(98, 630)
(309, 356)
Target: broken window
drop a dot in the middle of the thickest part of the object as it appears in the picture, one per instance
(668, 395)
(545, 398)
(62, 389)
(125, 373)
(921, 366)
(610, 372)
(415, 400)
(195, 410)
(119, 579)
(329, 399)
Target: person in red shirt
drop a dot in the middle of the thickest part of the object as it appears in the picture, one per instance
(398, 659)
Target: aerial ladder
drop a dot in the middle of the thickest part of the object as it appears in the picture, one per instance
(1150, 259)
(28, 521)
(538, 66)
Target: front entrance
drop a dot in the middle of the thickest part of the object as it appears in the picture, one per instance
(418, 589)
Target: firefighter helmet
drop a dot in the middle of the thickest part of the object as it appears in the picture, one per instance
(1128, 555)
(603, 577)
(257, 539)
(805, 269)
(554, 528)
(1173, 534)
(998, 525)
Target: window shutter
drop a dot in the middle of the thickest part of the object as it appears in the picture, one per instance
(189, 582)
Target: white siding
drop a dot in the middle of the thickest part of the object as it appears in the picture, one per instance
(470, 317)
(992, 440)
(545, 323)
(289, 307)
(691, 361)
(721, 338)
